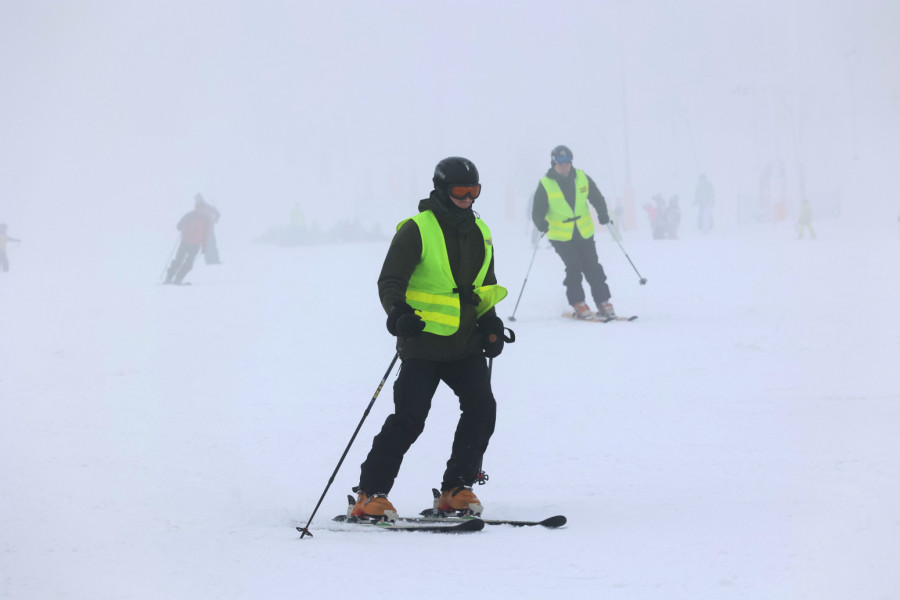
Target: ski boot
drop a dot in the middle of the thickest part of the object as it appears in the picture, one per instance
(606, 311)
(460, 501)
(373, 507)
(583, 311)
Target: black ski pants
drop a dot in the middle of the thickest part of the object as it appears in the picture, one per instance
(182, 263)
(579, 256)
(414, 388)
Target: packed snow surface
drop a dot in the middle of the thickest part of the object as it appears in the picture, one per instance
(739, 440)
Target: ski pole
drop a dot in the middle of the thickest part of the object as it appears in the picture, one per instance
(512, 317)
(482, 477)
(305, 530)
(615, 237)
(171, 254)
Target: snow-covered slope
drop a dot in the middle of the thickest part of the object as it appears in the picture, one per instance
(739, 440)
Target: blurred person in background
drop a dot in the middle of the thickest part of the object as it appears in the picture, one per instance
(195, 228)
(211, 251)
(4, 239)
(804, 220)
(704, 199)
(673, 218)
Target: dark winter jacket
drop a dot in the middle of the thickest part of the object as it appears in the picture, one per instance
(195, 227)
(567, 187)
(465, 250)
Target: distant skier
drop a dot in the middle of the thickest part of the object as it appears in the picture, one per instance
(651, 213)
(561, 210)
(673, 218)
(211, 251)
(194, 227)
(438, 288)
(704, 199)
(4, 239)
(659, 218)
(804, 220)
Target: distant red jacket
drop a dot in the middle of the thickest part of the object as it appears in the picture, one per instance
(194, 228)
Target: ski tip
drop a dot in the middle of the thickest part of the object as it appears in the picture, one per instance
(552, 522)
(470, 525)
(632, 318)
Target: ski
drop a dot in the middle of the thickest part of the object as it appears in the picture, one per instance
(432, 520)
(462, 526)
(432, 516)
(598, 319)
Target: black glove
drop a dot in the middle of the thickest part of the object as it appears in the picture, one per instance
(491, 329)
(403, 321)
(544, 227)
(603, 217)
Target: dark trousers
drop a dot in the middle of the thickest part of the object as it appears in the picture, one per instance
(469, 379)
(211, 252)
(579, 255)
(182, 263)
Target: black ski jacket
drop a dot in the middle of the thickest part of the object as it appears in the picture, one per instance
(465, 250)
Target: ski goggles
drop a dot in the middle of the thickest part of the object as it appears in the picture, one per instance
(461, 192)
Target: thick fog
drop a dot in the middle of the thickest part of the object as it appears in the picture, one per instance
(114, 114)
(737, 441)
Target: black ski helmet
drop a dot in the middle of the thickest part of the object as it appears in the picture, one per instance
(454, 170)
(561, 154)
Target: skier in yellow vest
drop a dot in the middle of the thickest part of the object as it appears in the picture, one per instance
(561, 211)
(438, 288)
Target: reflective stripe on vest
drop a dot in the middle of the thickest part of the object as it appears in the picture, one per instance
(430, 290)
(560, 216)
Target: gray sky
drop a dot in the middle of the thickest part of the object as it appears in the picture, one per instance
(113, 114)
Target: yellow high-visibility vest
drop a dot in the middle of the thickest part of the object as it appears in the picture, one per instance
(560, 216)
(430, 290)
